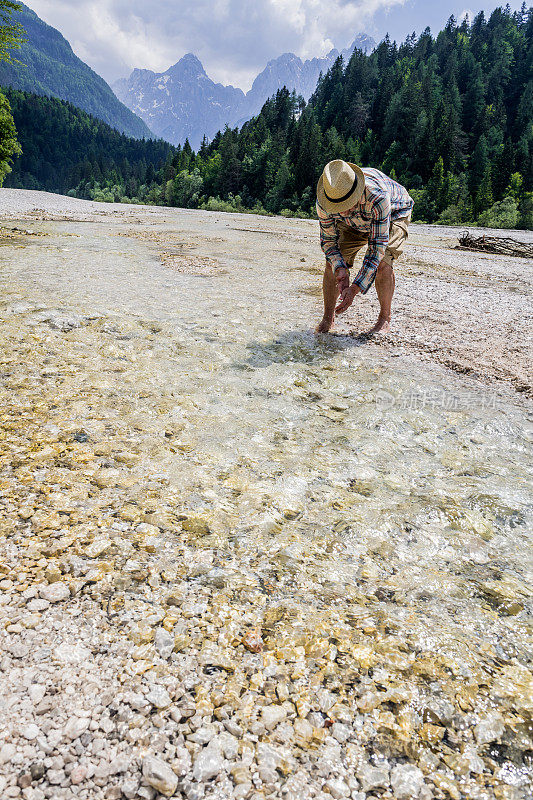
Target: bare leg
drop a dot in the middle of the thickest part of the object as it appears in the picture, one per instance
(331, 294)
(385, 283)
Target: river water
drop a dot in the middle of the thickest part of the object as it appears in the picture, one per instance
(363, 492)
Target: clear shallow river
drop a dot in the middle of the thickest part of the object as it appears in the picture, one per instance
(358, 489)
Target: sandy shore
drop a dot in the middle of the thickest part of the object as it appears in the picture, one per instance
(242, 561)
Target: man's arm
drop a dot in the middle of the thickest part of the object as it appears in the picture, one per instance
(377, 243)
(329, 239)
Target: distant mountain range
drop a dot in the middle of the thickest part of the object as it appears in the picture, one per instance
(181, 103)
(49, 67)
(184, 103)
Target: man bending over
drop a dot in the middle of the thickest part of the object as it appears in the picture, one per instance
(360, 208)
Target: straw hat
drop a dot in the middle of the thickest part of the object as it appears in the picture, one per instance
(340, 186)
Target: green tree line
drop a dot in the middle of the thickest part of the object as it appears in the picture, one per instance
(66, 150)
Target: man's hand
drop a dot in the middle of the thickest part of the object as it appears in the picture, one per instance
(347, 297)
(342, 276)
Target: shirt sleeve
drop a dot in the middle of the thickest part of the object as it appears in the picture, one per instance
(329, 239)
(378, 240)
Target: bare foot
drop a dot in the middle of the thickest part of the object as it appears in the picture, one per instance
(325, 326)
(381, 326)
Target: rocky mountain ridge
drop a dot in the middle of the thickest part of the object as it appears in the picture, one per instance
(184, 103)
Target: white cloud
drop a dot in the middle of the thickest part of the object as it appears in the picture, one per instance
(233, 38)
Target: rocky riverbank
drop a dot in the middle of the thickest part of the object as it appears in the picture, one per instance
(241, 562)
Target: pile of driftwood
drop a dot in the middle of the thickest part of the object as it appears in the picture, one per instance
(495, 244)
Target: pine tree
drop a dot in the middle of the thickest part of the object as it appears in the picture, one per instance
(474, 121)
(484, 195)
(357, 113)
(436, 190)
(480, 164)
(307, 156)
(503, 167)
(282, 186)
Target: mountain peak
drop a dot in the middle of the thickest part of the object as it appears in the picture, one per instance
(286, 58)
(361, 42)
(189, 65)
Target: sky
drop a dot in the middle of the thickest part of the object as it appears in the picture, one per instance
(234, 39)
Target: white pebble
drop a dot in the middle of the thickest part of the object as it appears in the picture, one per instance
(406, 781)
(7, 752)
(31, 732)
(36, 693)
(337, 788)
(489, 729)
(272, 716)
(208, 764)
(158, 697)
(158, 774)
(163, 643)
(373, 777)
(75, 727)
(55, 592)
(71, 653)
(37, 605)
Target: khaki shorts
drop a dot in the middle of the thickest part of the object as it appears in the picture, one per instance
(351, 241)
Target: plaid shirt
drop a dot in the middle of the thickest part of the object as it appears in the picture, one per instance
(383, 201)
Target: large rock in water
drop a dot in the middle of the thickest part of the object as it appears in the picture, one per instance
(208, 763)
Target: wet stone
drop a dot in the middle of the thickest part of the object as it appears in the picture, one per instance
(489, 729)
(208, 764)
(55, 592)
(158, 775)
(341, 732)
(337, 788)
(406, 781)
(163, 643)
(71, 653)
(36, 605)
(438, 711)
(372, 777)
(158, 697)
(272, 716)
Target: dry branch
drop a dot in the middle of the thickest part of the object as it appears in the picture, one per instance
(495, 244)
